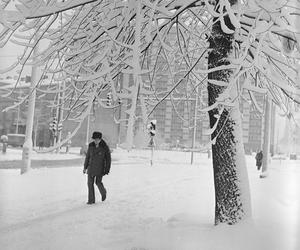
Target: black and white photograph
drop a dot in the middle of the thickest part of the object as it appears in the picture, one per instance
(150, 124)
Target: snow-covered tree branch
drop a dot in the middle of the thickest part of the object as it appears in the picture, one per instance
(227, 45)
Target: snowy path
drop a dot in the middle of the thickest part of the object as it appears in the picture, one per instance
(167, 206)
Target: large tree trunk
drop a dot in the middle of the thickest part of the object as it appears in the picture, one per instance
(232, 197)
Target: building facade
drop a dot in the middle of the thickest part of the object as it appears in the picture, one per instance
(175, 120)
(14, 120)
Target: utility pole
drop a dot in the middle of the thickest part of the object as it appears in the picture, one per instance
(36, 130)
(27, 147)
(18, 118)
(266, 138)
(272, 127)
(195, 125)
(87, 130)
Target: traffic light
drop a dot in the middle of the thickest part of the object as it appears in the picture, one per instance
(119, 98)
(53, 125)
(151, 127)
(108, 99)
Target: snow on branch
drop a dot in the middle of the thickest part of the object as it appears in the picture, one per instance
(96, 44)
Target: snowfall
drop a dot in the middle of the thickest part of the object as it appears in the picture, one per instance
(166, 206)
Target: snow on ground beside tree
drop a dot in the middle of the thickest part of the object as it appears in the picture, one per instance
(167, 206)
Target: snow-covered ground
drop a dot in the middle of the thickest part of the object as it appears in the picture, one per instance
(167, 206)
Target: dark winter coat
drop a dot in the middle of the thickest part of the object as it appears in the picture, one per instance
(98, 159)
(259, 157)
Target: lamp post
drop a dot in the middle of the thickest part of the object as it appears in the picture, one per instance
(87, 130)
(195, 126)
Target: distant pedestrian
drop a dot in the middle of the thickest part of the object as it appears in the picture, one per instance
(96, 165)
(259, 157)
(41, 145)
(4, 140)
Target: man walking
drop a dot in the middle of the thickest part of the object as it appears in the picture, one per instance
(96, 165)
(258, 158)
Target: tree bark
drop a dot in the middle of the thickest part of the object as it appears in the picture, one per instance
(27, 146)
(232, 196)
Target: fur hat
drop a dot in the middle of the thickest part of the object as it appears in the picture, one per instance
(97, 135)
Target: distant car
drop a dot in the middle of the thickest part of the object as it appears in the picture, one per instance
(16, 140)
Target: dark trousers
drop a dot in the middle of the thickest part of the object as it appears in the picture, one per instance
(91, 181)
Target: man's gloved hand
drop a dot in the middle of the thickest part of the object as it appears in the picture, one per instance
(84, 171)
